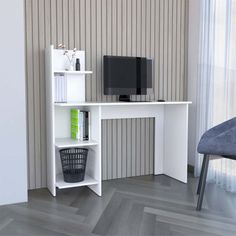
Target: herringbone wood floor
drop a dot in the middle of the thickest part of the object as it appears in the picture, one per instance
(144, 205)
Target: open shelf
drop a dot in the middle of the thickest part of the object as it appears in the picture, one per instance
(68, 104)
(68, 142)
(72, 72)
(61, 184)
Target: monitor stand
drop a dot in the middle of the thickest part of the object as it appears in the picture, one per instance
(124, 98)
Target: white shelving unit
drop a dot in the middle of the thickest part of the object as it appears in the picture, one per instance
(171, 127)
(58, 124)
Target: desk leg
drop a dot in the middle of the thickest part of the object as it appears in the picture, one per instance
(95, 160)
(176, 141)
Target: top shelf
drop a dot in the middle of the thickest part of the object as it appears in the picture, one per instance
(73, 72)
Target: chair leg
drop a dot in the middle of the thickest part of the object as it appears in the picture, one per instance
(203, 184)
(202, 170)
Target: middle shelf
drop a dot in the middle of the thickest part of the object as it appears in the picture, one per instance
(68, 142)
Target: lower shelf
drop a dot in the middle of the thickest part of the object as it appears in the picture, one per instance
(61, 184)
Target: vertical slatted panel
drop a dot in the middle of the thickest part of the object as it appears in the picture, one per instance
(82, 25)
(47, 41)
(165, 47)
(30, 94)
(128, 149)
(36, 88)
(186, 22)
(157, 60)
(42, 89)
(103, 40)
(109, 147)
(53, 16)
(119, 148)
(142, 142)
(114, 149)
(161, 47)
(169, 72)
(152, 28)
(182, 46)
(134, 147)
(178, 33)
(148, 26)
(93, 58)
(124, 147)
(138, 150)
(88, 45)
(71, 23)
(77, 24)
(174, 51)
(99, 50)
(123, 26)
(129, 28)
(109, 32)
(59, 18)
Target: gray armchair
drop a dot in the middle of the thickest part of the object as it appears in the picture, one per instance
(221, 141)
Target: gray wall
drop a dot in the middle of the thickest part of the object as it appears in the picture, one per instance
(13, 157)
(153, 28)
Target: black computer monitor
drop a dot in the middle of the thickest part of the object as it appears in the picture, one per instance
(127, 76)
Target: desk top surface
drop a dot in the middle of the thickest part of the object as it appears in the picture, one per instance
(121, 103)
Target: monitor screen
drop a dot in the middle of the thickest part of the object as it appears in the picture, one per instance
(126, 75)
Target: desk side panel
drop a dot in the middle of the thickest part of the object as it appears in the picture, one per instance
(96, 162)
(51, 180)
(176, 142)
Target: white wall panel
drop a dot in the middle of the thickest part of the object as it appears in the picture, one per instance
(13, 157)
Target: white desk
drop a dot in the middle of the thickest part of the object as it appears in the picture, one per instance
(171, 138)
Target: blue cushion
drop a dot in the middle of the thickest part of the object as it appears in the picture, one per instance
(219, 140)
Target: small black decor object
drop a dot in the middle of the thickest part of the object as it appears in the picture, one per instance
(77, 65)
(73, 161)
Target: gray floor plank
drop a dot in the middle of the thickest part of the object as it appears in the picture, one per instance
(144, 205)
(147, 225)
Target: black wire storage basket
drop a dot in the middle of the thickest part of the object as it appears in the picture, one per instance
(73, 161)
